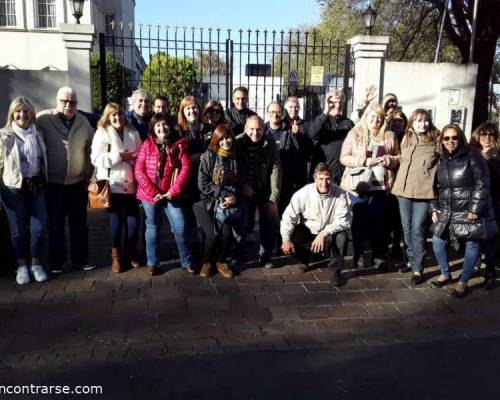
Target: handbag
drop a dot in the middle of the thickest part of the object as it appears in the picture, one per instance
(99, 191)
(470, 230)
(359, 178)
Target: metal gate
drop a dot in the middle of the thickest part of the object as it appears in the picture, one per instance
(210, 62)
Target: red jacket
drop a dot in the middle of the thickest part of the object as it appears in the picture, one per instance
(148, 163)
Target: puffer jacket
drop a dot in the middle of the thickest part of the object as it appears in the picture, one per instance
(147, 169)
(463, 183)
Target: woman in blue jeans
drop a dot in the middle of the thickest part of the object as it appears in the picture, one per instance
(162, 171)
(414, 186)
(458, 213)
(23, 175)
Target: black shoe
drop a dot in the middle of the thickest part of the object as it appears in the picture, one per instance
(358, 262)
(490, 281)
(336, 278)
(417, 278)
(405, 268)
(459, 295)
(304, 268)
(379, 264)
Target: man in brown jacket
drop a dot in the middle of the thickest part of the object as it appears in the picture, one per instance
(68, 137)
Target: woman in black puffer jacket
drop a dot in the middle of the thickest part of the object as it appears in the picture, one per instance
(461, 211)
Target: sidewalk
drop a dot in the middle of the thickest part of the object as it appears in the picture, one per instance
(120, 328)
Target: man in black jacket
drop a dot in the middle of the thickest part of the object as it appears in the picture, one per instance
(328, 131)
(237, 115)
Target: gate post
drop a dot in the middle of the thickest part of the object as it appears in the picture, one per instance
(102, 70)
(368, 53)
(78, 40)
(229, 71)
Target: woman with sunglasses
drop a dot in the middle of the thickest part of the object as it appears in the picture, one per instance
(486, 139)
(459, 212)
(414, 186)
(211, 117)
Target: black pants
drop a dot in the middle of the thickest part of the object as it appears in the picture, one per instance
(217, 243)
(67, 201)
(335, 246)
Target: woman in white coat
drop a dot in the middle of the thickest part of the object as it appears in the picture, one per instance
(114, 149)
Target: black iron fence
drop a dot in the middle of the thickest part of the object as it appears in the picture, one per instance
(210, 62)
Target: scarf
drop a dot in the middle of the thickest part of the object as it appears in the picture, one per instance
(30, 147)
(224, 153)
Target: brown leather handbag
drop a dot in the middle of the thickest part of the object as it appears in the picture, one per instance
(99, 191)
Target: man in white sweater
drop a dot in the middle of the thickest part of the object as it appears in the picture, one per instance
(318, 214)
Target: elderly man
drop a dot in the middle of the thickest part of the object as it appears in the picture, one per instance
(237, 115)
(293, 146)
(328, 131)
(139, 113)
(317, 214)
(160, 105)
(260, 175)
(68, 137)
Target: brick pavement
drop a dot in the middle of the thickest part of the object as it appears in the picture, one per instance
(103, 319)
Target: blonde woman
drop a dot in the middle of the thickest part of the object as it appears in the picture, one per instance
(23, 176)
(370, 153)
(414, 186)
(114, 150)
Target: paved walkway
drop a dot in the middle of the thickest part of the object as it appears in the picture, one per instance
(267, 333)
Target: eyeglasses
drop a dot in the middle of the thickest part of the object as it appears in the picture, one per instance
(72, 103)
(274, 112)
(214, 111)
(489, 134)
(448, 138)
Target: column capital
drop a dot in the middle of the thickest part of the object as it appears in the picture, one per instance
(77, 36)
(367, 46)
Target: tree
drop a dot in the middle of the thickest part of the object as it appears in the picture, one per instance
(413, 26)
(173, 77)
(118, 81)
(210, 63)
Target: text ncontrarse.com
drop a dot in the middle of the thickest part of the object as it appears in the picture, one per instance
(49, 389)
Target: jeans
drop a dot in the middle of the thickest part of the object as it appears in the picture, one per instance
(414, 215)
(20, 204)
(177, 217)
(268, 225)
(67, 201)
(124, 208)
(472, 252)
(335, 246)
(368, 221)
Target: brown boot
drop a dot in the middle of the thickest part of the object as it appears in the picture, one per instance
(115, 260)
(152, 270)
(206, 269)
(129, 254)
(224, 270)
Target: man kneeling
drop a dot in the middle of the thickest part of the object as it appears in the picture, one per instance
(317, 214)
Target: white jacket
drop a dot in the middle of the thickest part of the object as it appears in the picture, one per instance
(329, 213)
(121, 174)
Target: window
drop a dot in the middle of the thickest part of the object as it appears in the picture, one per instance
(109, 28)
(46, 13)
(7, 12)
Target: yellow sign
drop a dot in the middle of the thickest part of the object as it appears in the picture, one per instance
(317, 74)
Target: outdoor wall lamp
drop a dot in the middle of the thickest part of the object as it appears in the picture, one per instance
(369, 17)
(77, 8)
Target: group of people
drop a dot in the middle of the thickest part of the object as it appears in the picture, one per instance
(378, 180)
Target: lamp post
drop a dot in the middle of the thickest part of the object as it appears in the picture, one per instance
(369, 17)
(77, 8)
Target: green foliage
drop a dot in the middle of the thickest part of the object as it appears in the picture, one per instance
(173, 77)
(118, 81)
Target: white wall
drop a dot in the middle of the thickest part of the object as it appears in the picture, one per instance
(429, 85)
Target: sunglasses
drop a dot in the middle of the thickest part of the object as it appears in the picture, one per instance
(214, 111)
(448, 138)
(489, 134)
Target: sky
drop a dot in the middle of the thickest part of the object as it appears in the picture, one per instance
(236, 14)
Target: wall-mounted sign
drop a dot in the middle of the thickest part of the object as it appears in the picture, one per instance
(453, 97)
(317, 75)
(258, 70)
(293, 77)
(457, 116)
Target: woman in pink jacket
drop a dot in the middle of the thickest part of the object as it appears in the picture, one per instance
(163, 170)
(370, 154)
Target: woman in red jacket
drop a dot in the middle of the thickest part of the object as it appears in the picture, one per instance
(163, 170)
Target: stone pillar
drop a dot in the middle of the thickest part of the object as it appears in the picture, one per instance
(368, 56)
(78, 40)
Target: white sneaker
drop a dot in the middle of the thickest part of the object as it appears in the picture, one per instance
(38, 273)
(22, 277)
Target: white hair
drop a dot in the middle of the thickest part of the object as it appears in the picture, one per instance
(132, 99)
(67, 90)
(336, 93)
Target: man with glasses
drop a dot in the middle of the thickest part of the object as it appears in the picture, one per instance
(237, 115)
(328, 131)
(139, 113)
(68, 137)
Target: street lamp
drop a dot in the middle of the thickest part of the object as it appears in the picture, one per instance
(77, 8)
(369, 17)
